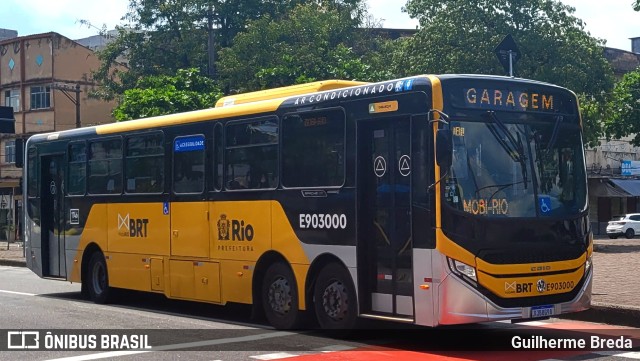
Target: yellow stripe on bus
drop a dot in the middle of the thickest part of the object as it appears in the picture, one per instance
(191, 117)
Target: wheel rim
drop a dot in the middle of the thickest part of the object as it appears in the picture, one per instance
(280, 298)
(99, 278)
(335, 300)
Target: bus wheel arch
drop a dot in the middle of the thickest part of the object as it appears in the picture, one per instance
(84, 267)
(331, 293)
(275, 291)
(95, 276)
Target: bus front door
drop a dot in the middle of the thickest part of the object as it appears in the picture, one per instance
(384, 218)
(53, 215)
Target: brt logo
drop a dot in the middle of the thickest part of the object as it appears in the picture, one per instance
(132, 227)
(234, 230)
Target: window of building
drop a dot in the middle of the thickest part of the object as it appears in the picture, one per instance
(144, 163)
(313, 149)
(40, 97)
(252, 154)
(76, 184)
(188, 164)
(12, 99)
(105, 167)
(10, 151)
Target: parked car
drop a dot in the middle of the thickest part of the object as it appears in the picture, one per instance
(627, 225)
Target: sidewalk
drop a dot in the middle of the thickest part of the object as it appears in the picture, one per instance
(13, 255)
(616, 285)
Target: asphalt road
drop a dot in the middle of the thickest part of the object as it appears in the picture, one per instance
(193, 331)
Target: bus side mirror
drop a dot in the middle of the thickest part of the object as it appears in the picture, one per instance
(444, 148)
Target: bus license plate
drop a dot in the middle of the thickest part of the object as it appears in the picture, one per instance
(541, 311)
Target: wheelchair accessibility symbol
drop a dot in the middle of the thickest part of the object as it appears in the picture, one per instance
(545, 204)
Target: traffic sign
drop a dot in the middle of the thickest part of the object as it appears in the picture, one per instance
(508, 53)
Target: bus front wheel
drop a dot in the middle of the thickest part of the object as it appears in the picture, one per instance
(280, 297)
(334, 298)
(98, 279)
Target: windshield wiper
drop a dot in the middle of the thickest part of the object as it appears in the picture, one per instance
(554, 135)
(500, 188)
(513, 147)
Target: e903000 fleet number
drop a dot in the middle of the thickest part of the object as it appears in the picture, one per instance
(323, 221)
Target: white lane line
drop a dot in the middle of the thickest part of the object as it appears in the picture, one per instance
(177, 346)
(630, 355)
(96, 356)
(334, 348)
(533, 323)
(274, 356)
(18, 293)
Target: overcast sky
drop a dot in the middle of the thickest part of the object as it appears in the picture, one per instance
(612, 20)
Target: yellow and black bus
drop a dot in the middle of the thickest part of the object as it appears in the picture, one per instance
(429, 200)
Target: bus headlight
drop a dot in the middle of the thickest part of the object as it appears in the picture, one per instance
(587, 265)
(463, 269)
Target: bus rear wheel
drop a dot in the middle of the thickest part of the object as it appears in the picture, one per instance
(280, 297)
(334, 298)
(98, 279)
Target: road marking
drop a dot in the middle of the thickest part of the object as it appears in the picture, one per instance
(274, 356)
(630, 355)
(96, 356)
(177, 346)
(532, 323)
(18, 293)
(334, 348)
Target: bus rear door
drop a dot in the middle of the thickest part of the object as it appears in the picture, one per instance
(53, 213)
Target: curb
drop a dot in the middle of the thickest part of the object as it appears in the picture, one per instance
(608, 313)
(13, 262)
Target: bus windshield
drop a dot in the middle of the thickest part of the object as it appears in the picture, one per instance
(508, 169)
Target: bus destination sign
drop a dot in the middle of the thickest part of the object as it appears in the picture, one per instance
(503, 99)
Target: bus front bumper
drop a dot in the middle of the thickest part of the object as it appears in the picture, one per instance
(460, 303)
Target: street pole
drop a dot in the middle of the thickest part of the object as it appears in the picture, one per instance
(65, 89)
(211, 45)
(78, 125)
(511, 63)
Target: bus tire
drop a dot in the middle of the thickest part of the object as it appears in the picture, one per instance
(334, 298)
(98, 279)
(280, 297)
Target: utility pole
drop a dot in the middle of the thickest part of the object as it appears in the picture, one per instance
(66, 89)
(211, 43)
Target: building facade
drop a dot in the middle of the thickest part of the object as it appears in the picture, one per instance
(611, 190)
(46, 79)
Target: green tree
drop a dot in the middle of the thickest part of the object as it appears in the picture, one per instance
(593, 112)
(459, 36)
(636, 5)
(164, 94)
(313, 42)
(625, 108)
(162, 36)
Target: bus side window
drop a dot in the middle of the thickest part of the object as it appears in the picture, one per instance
(252, 154)
(188, 164)
(105, 167)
